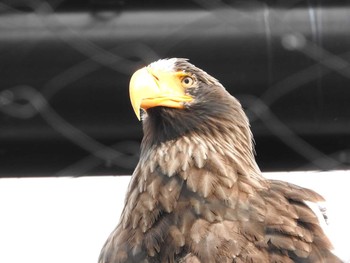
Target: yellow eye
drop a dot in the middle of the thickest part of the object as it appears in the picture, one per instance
(187, 81)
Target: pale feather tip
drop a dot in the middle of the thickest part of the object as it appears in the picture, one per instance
(164, 64)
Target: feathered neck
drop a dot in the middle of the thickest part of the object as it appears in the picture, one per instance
(169, 134)
(201, 170)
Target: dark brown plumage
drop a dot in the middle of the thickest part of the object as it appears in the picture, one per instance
(197, 194)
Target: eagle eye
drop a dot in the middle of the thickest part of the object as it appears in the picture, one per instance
(187, 81)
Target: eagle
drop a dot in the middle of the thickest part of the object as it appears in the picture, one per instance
(197, 194)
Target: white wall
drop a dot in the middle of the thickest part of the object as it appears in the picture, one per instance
(67, 220)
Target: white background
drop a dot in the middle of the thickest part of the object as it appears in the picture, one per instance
(67, 220)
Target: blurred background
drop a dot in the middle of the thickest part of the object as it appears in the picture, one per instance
(65, 68)
(67, 129)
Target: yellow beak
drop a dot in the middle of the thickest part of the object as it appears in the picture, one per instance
(151, 88)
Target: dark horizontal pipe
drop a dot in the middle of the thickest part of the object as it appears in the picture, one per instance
(64, 79)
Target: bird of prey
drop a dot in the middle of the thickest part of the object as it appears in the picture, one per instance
(197, 194)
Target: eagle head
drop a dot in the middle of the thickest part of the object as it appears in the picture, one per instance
(176, 97)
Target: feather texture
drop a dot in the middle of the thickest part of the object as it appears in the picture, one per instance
(198, 196)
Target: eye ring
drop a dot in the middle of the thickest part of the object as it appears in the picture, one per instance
(187, 81)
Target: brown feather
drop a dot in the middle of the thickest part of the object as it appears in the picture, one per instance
(198, 196)
(278, 258)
